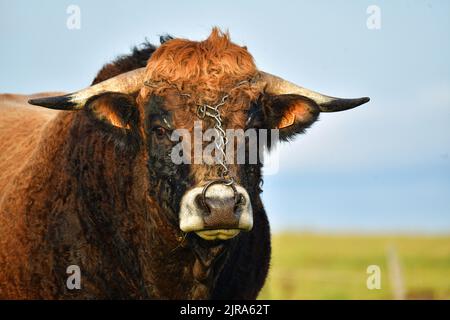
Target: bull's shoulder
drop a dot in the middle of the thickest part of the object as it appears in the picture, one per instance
(21, 127)
(20, 119)
(16, 105)
(21, 122)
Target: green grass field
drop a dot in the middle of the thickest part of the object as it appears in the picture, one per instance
(314, 266)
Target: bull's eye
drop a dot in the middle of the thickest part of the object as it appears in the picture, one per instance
(159, 132)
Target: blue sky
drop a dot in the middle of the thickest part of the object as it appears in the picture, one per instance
(383, 167)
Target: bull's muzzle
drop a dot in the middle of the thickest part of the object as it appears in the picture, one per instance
(219, 212)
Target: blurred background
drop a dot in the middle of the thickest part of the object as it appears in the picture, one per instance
(367, 187)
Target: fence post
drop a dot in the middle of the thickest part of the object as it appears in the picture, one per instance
(395, 274)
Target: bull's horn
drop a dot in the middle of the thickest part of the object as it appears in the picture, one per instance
(277, 86)
(128, 82)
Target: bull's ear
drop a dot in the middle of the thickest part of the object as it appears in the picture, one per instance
(114, 110)
(290, 113)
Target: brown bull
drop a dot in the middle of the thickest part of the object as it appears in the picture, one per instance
(95, 185)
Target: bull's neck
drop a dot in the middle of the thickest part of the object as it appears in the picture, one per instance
(180, 266)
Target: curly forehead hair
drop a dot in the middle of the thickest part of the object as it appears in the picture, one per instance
(206, 67)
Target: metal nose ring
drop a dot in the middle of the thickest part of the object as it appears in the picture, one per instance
(219, 181)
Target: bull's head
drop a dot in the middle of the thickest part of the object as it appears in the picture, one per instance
(213, 83)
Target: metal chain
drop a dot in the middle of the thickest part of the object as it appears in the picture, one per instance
(205, 110)
(221, 140)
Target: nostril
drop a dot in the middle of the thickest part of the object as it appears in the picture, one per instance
(240, 200)
(201, 204)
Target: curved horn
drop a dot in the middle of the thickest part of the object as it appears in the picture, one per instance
(128, 82)
(277, 85)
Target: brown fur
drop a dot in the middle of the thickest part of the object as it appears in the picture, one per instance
(204, 69)
(70, 194)
(23, 124)
(189, 73)
(46, 225)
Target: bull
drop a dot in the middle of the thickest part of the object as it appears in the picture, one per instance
(92, 182)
